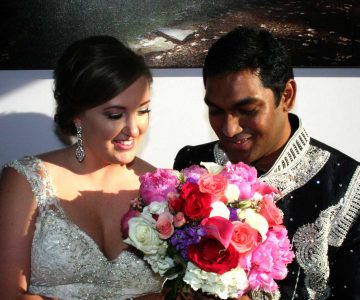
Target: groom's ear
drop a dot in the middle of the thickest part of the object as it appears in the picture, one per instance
(288, 96)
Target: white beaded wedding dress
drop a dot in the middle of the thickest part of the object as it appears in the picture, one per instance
(65, 262)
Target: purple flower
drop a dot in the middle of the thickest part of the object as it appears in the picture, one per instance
(186, 236)
(233, 214)
(193, 172)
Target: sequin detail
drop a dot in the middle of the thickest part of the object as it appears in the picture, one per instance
(299, 172)
(65, 262)
(311, 244)
(350, 211)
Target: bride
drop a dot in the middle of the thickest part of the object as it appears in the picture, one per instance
(60, 211)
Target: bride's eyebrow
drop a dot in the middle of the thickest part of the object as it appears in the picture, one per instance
(119, 107)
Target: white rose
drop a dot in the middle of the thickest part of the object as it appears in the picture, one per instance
(219, 209)
(144, 237)
(255, 220)
(213, 168)
(232, 193)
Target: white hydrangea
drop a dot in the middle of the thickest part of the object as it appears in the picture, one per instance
(224, 286)
(160, 264)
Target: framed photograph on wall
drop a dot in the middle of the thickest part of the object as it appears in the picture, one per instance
(177, 34)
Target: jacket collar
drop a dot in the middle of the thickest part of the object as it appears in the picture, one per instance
(295, 148)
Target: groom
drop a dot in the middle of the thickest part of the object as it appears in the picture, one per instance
(250, 90)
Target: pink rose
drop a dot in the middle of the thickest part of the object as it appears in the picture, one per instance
(125, 221)
(270, 211)
(219, 228)
(179, 219)
(244, 238)
(164, 225)
(213, 184)
(263, 189)
(155, 186)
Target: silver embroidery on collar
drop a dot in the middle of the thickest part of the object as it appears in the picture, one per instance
(293, 152)
(299, 172)
(296, 165)
(221, 157)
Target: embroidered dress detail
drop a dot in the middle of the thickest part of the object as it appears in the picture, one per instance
(65, 262)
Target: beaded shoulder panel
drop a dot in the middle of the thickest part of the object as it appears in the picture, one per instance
(299, 171)
(330, 228)
(65, 262)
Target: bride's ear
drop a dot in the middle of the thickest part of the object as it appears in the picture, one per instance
(289, 95)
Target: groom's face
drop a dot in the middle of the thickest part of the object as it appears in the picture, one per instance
(244, 116)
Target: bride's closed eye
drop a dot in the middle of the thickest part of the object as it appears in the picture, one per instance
(115, 116)
(144, 111)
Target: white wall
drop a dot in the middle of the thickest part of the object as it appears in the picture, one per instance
(328, 101)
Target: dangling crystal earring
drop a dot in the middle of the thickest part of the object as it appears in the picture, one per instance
(79, 152)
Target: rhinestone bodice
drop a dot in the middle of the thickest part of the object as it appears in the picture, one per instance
(65, 262)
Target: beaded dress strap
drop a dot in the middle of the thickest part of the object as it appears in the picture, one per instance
(36, 174)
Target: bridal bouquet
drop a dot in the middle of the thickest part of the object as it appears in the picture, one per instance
(211, 228)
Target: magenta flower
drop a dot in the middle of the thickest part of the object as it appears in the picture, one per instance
(269, 260)
(243, 176)
(156, 185)
(131, 213)
(194, 172)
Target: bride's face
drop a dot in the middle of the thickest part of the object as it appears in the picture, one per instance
(113, 131)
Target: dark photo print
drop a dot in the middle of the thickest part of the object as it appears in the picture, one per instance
(177, 34)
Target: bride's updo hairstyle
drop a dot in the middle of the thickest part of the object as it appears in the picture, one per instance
(91, 72)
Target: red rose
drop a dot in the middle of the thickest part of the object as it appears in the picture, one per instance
(211, 256)
(270, 211)
(196, 205)
(175, 203)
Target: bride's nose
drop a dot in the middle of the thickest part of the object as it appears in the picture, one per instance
(131, 126)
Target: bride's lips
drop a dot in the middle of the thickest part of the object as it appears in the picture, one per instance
(124, 144)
